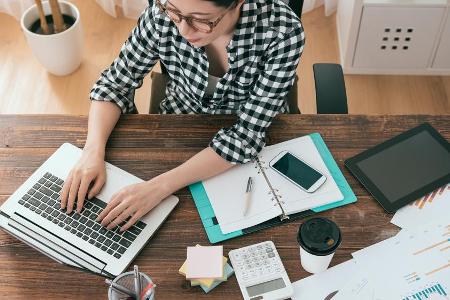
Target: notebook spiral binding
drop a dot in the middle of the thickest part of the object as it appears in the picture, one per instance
(261, 166)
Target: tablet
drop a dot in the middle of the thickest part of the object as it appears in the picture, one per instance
(404, 168)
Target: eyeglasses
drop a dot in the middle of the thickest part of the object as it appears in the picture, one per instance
(201, 25)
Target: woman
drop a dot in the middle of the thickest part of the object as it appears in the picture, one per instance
(222, 57)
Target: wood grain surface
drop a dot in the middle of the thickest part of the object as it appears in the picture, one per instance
(147, 145)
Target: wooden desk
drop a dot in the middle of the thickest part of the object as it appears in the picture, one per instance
(147, 145)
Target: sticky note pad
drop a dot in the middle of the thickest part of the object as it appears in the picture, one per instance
(228, 272)
(207, 282)
(204, 262)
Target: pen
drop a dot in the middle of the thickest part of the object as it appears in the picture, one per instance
(147, 291)
(119, 288)
(137, 282)
(248, 195)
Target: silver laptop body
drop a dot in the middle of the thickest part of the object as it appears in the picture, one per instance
(32, 215)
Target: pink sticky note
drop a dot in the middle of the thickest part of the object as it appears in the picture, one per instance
(204, 262)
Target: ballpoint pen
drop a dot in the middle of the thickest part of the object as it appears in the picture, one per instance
(120, 288)
(137, 282)
(248, 195)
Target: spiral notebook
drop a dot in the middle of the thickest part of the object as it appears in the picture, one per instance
(272, 194)
(208, 214)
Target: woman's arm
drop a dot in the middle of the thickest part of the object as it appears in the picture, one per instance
(138, 199)
(103, 116)
(90, 169)
(201, 166)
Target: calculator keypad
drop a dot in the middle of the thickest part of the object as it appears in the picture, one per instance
(260, 260)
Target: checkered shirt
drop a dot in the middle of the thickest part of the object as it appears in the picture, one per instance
(263, 57)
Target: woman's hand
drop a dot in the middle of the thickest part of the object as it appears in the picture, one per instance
(86, 178)
(133, 201)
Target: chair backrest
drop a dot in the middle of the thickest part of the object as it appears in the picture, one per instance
(158, 91)
(331, 97)
(297, 7)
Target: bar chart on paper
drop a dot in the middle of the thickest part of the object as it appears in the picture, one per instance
(428, 293)
(432, 249)
(418, 260)
(429, 198)
(424, 209)
(438, 247)
(412, 277)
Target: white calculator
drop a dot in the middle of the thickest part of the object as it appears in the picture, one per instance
(260, 272)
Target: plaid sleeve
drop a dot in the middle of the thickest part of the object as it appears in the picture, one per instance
(137, 57)
(244, 140)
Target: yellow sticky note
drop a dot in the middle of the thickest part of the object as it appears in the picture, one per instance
(206, 281)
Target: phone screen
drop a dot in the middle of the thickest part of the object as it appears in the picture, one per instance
(297, 171)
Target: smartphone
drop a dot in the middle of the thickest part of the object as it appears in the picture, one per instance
(297, 171)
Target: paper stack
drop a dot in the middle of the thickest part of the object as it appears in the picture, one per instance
(413, 265)
(206, 267)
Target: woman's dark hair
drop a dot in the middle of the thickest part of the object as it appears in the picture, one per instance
(223, 3)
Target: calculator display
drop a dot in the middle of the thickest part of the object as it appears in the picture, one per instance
(265, 287)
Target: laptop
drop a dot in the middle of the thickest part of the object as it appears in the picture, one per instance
(33, 215)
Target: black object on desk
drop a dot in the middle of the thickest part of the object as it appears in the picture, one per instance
(404, 168)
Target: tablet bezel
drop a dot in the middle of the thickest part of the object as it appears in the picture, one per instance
(389, 206)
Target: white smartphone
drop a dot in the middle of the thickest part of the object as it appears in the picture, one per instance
(297, 171)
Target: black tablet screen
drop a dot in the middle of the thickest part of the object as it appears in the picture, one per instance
(407, 166)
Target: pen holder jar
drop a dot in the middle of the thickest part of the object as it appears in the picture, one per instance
(127, 280)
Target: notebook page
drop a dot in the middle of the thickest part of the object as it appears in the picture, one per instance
(226, 192)
(295, 199)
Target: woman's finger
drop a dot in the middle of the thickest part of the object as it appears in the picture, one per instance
(115, 200)
(114, 212)
(84, 185)
(137, 215)
(98, 184)
(75, 185)
(65, 190)
(122, 217)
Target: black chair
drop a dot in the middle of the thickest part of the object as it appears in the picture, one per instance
(297, 7)
(329, 81)
(331, 97)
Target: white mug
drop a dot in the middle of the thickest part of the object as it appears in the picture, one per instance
(59, 53)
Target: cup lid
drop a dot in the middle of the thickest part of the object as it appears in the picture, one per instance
(319, 236)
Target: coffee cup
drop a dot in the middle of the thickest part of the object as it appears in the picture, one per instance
(318, 239)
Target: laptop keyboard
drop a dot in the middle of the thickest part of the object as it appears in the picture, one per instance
(43, 199)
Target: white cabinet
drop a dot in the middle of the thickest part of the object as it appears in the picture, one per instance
(394, 37)
(442, 60)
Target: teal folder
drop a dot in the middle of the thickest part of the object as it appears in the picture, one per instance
(212, 227)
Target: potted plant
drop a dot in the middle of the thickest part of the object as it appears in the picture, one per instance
(53, 32)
